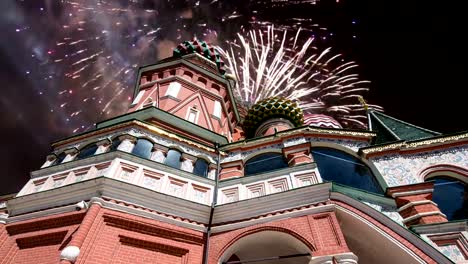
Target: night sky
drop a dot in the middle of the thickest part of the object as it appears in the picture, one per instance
(64, 65)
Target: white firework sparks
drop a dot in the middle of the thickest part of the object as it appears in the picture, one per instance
(265, 64)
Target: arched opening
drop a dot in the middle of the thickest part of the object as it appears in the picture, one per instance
(366, 240)
(59, 158)
(173, 158)
(143, 148)
(115, 144)
(87, 151)
(451, 196)
(267, 247)
(201, 168)
(340, 167)
(264, 163)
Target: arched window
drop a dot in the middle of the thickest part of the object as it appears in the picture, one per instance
(143, 148)
(201, 168)
(451, 195)
(264, 162)
(173, 158)
(115, 144)
(87, 151)
(340, 167)
(59, 158)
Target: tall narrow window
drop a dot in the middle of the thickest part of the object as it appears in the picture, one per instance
(340, 167)
(173, 90)
(201, 168)
(192, 115)
(143, 148)
(217, 109)
(173, 158)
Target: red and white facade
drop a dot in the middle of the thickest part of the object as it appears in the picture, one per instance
(114, 206)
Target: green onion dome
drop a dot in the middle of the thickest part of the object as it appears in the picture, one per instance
(202, 48)
(273, 107)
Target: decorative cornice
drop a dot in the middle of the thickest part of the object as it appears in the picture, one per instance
(133, 124)
(114, 189)
(254, 207)
(418, 145)
(304, 131)
(441, 228)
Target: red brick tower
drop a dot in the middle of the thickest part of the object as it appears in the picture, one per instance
(174, 180)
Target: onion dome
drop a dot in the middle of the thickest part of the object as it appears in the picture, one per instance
(320, 120)
(272, 108)
(202, 48)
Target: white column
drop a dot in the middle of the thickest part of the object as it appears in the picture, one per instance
(212, 171)
(49, 160)
(159, 153)
(103, 146)
(71, 154)
(127, 143)
(187, 162)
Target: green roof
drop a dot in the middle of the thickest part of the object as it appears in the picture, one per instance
(390, 129)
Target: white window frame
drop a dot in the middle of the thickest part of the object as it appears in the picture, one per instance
(138, 97)
(173, 89)
(217, 109)
(192, 110)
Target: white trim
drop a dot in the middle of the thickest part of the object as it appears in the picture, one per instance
(249, 208)
(408, 193)
(106, 187)
(137, 98)
(419, 215)
(173, 89)
(345, 258)
(217, 109)
(408, 205)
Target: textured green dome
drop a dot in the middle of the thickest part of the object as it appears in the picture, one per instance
(202, 48)
(274, 107)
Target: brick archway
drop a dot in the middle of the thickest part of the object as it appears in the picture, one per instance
(261, 233)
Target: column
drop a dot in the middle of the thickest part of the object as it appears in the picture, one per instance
(49, 160)
(415, 204)
(158, 153)
(212, 171)
(71, 154)
(188, 161)
(103, 146)
(231, 169)
(127, 143)
(298, 154)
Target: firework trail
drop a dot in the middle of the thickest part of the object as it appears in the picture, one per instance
(270, 62)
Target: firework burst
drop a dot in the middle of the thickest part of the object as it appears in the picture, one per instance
(271, 62)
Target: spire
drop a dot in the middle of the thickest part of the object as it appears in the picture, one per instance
(390, 129)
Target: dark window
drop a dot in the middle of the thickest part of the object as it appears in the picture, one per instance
(173, 158)
(87, 151)
(342, 168)
(60, 158)
(143, 148)
(451, 196)
(115, 143)
(201, 168)
(264, 162)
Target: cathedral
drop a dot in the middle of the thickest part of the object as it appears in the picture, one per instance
(190, 176)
